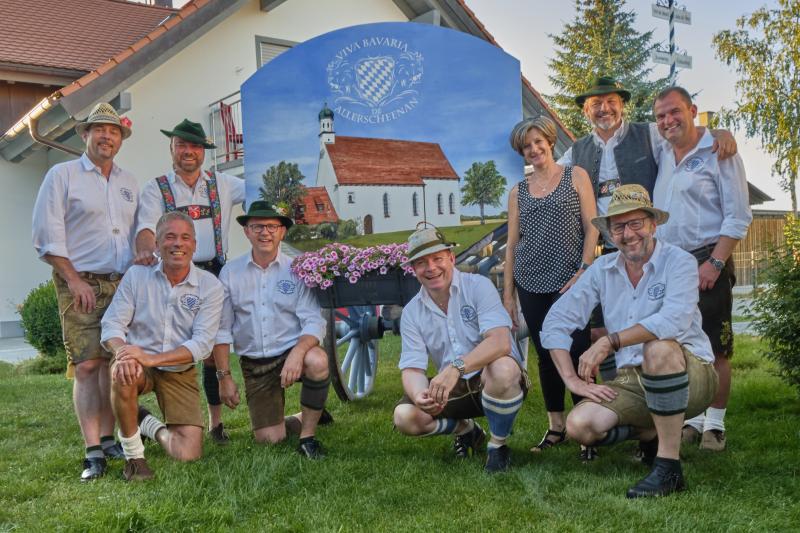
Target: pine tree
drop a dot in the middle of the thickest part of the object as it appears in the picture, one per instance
(602, 41)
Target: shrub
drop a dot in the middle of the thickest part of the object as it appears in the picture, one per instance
(776, 310)
(327, 230)
(39, 315)
(298, 232)
(347, 228)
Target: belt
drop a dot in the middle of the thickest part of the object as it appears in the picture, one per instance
(111, 276)
(704, 252)
(213, 266)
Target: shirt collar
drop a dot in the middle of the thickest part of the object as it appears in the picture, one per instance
(191, 278)
(623, 128)
(89, 166)
(280, 260)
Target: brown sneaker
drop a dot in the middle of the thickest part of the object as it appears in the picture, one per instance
(713, 440)
(137, 470)
(689, 435)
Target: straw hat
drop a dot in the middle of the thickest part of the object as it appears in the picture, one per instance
(103, 114)
(629, 198)
(425, 241)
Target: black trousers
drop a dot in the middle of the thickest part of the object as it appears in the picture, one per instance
(534, 308)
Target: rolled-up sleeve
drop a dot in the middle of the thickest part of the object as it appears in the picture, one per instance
(571, 311)
(414, 353)
(491, 313)
(225, 332)
(680, 300)
(309, 312)
(151, 207)
(117, 318)
(49, 235)
(735, 198)
(206, 323)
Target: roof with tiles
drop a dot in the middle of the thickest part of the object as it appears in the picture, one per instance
(363, 161)
(317, 207)
(79, 35)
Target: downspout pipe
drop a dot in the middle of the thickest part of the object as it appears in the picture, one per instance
(33, 128)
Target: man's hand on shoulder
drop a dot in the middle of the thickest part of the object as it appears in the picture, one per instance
(724, 144)
(145, 257)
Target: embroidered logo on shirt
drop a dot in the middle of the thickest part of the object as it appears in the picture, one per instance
(656, 292)
(202, 189)
(190, 302)
(126, 194)
(285, 286)
(468, 313)
(695, 164)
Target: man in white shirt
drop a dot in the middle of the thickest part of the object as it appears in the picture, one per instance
(83, 223)
(648, 290)
(709, 204)
(208, 198)
(275, 324)
(457, 323)
(162, 320)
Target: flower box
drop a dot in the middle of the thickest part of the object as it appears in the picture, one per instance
(394, 287)
(343, 275)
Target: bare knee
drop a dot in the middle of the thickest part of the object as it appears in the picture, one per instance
(501, 376)
(271, 434)
(405, 419)
(315, 364)
(662, 357)
(89, 369)
(579, 426)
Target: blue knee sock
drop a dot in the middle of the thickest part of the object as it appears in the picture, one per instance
(501, 413)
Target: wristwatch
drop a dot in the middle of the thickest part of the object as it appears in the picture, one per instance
(222, 373)
(716, 263)
(459, 365)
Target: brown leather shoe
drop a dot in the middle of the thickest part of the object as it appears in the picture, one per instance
(689, 435)
(713, 440)
(137, 470)
(219, 435)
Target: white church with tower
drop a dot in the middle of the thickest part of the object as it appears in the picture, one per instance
(384, 184)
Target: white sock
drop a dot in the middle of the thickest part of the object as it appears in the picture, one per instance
(715, 419)
(132, 446)
(151, 425)
(470, 423)
(696, 422)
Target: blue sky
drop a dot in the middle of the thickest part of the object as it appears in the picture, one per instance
(469, 98)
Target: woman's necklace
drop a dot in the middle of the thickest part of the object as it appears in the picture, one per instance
(547, 182)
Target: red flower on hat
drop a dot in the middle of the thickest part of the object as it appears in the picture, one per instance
(125, 121)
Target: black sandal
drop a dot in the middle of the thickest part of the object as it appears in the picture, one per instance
(588, 453)
(547, 443)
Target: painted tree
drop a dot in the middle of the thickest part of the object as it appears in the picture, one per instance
(601, 40)
(483, 185)
(764, 49)
(282, 184)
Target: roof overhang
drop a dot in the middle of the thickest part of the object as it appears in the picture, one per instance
(59, 112)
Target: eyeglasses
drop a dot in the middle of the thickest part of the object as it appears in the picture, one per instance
(635, 224)
(259, 228)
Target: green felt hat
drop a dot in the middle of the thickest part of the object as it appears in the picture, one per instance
(190, 131)
(262, 209)
(604, 85)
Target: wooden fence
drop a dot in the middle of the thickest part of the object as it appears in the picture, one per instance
(752, 253)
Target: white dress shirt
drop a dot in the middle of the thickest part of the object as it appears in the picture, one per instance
(705, 197)
(147, 311)
(664, 303)
(231, 192)
(474, 308)
(266, 310)
(608, 164)
(81, 215)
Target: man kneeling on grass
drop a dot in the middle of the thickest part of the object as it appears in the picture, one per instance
(163, 319)
(459, 322)
(275, 324)
(648, 290)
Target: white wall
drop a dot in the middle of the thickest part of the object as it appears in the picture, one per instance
(212, 67)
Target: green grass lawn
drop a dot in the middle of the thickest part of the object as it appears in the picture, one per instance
(463, 235)
(376, 480)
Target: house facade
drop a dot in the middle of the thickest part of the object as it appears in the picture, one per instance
(166, 65)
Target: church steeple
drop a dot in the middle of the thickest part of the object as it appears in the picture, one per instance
(326, 133)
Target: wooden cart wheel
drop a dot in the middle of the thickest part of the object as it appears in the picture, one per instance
(352, 355)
